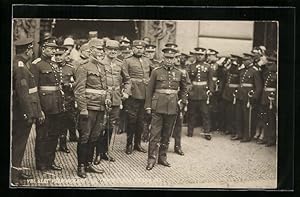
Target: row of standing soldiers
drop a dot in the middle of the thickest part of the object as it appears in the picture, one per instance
(53, 91)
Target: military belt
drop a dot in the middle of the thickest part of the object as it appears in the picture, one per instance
(249, 85)
(166, 91)
(32, 90)
(113, 88)
(233, 85)
(269, 89)
(214, 78)
(94, 91)
(138, 80)
(49, 88)
(199, 83)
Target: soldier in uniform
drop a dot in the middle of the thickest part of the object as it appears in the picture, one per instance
(180, 64)
(217, 104)
(248, 95)
(150, 53)
(26, 106)
(92, 99)
(70, 115)
(268, 102)
(125, 52)
(115, 75)
(48, 77)
(229, 94)
(138, 67)
(199, 96)
(84, 54)
(166, 90)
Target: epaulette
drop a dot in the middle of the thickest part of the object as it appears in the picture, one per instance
(156, 68)
(255, 68)
(128, 56)
(37, 60)
(20, 64)
(157, 61)
(118, 59)
(70, 65)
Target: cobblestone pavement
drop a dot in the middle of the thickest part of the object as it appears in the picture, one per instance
(219, 163)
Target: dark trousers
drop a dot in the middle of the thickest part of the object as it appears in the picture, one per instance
(177, 130)
(70, 119)
(233, 117)
(198, 106)
(247, 126)
(20, 134)
(90, 128)
(136, 113)
(270, 124)
(105, 136)
(123, 120)
(46, 139)
(217, 112)
(162, 125)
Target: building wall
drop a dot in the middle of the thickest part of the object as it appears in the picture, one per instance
(227, 37)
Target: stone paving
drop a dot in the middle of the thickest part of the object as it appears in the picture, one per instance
(219, 163)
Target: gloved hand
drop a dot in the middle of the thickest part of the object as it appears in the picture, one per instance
(181, 105)
(125, 96)
(84, 114)
(148, 111)
(107, 104)
(42, 118)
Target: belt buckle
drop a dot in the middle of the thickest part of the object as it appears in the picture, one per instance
(168, 91)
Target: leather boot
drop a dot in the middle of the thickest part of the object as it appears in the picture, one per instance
(190, 132)
(97, 160)
(81, 171)
(81, 157)
(63, 144)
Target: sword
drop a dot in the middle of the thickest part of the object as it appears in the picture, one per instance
(249, 105)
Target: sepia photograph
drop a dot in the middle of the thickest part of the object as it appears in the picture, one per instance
(136, 103)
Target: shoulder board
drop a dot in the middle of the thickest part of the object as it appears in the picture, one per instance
(156, 68)
(129, 56)
(255, 68)
(37, 60)
(20, 64)
(118, 60)
(70, 65)
(157, 61)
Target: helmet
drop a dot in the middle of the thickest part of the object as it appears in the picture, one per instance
(69, 42)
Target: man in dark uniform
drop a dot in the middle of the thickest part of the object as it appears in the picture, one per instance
(268, 101)
(48, 77)
(231, 85)
(84, 54)
(70, 115)
(150, 53)
(138, 67)
(166, 90)
(199, 96)
(115, 75)
(248, 95)
(180, 64)
(92, 99)
(26, 106)
(125, 52)
(217, 104)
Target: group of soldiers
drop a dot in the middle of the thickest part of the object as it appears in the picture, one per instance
(118, 86)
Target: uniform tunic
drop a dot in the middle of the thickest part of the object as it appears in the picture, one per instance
(48, 79)
(26, 106)
(138, 69)
(166, 86)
